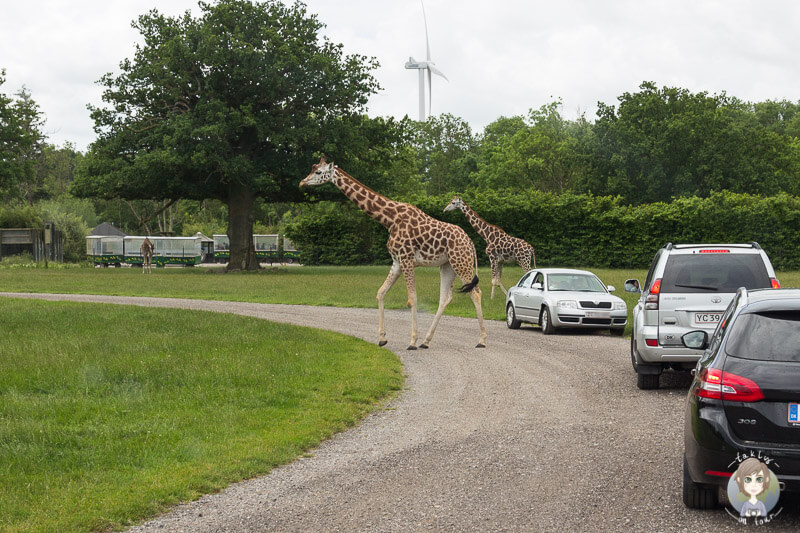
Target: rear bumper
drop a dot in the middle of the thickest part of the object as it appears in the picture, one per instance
(713, 453)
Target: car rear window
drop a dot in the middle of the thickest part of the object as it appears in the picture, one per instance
(767, 336)
(706, 273)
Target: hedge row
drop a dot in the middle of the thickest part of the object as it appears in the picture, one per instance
(572, 229)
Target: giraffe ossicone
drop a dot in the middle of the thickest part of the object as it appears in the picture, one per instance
(415, 239)
(500, 246)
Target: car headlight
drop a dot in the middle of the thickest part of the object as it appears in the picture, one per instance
(620, 306)
(567, 304)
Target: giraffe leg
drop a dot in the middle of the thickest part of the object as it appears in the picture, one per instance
(447, 276)
(394, 273)
(408, 273)
(476, 299)
(499, 277)
(497, 269)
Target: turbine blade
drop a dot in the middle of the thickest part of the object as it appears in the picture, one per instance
(427, 44)
(437, 71)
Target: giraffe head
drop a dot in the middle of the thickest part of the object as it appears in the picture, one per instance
(321, 173)
(455, 203)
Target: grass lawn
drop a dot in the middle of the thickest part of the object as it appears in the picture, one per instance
(334, 286)
(109, 414)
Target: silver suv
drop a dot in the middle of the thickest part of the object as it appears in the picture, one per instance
(688, 288)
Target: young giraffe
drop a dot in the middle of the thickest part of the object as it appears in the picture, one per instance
(147, 250)
(500, 245)
(415, 239)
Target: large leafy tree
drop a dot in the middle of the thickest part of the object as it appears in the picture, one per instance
(231, 105)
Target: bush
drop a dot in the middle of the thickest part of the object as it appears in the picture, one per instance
(570, 229)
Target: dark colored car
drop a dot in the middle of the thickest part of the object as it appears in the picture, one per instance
(745, 396)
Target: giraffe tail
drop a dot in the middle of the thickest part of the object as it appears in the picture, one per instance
(467, 287)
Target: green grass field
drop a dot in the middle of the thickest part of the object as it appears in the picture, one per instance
(334, 286)
(109, 414)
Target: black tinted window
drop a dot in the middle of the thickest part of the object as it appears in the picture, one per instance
(714, 273)
(771, 336)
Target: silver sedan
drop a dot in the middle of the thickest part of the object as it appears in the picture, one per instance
(564, 298)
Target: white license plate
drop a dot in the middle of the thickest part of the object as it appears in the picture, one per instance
(707, 318)
(598, 314)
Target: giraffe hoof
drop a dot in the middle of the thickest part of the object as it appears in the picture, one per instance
(423, 346)
(382, 343)
(480, 345)
(411, 347)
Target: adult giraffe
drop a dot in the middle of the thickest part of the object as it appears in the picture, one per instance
(415, 239)
(500, 246)
(147, 249)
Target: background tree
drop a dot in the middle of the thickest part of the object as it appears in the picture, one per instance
(668, 142)
(538, 152)
(21, 141)
(232, 105)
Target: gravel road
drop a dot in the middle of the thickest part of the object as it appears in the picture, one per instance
(533, 433)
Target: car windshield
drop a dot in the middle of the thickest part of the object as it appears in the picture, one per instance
(767, 336)
(574, 282)
(719, 272)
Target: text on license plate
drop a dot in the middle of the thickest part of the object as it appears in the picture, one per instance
(707, 318)
(794, 413)
(598, 314)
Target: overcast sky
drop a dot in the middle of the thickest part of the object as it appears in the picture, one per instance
(502, 57)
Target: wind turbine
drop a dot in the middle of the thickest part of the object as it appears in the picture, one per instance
(423, 67)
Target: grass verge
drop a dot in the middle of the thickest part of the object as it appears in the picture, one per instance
(110, 414)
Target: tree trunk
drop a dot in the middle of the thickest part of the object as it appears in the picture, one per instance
(240, 228)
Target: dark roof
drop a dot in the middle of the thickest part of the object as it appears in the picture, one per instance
(108, 229)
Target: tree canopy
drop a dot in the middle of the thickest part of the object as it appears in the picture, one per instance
(231, 105)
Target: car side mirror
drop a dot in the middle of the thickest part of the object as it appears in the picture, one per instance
(537, 286)
(632, 285)
(611, 288)
(695, 340)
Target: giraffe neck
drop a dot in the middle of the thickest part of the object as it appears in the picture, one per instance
(372, 203)
(480, 225)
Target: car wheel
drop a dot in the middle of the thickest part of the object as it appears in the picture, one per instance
(619, 332)
(511, 318)
(696, 496)
(647, 381)
(545, 322)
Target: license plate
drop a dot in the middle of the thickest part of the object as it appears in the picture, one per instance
(598, 314)
(707, 318)
(794, 413)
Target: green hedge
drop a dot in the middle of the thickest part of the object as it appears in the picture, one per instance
(571, 229)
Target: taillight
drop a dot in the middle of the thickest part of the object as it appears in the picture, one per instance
(651, 300)
(719, 385)
(715, 251)
(775, 283)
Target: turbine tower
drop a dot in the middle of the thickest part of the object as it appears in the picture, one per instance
(424, 67)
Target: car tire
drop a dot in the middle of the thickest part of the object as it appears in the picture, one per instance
(511, 318)
(618, 332)
(545, 322)
(643, 381)
(647, 381)
(696, 496)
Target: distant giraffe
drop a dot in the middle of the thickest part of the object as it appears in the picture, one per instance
(147, 250)
(415, 239)
(500, 247)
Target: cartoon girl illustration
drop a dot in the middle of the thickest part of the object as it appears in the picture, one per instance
(753, 478)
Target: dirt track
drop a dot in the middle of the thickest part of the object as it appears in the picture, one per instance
(533, 433)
